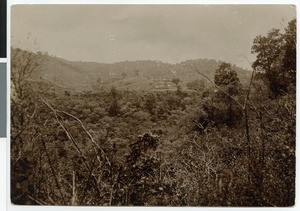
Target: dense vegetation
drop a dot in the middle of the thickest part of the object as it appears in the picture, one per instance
(223, 144)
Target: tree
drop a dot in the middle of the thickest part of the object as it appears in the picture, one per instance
(124, 75)
(150, 103)
(176, 81)
(197, 85)
(24, 118)
(268, 49)
(289, 59)
(137, 72)
(113, 92)
(23, 66)
(276, 58)
(98, 84)
(114, 108)
(223, 100)
(227, 79)
(269, 59)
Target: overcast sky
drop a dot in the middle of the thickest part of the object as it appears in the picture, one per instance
(169, 33)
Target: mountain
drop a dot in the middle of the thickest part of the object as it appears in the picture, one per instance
(128, 75)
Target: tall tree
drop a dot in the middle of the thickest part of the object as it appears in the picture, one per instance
(276, 58)
(289, 59)
(223, 103)
(227, 79)
(268, 49)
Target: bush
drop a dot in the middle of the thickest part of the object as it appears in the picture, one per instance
(114, 108)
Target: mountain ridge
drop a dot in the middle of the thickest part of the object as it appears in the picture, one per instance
(94, 76)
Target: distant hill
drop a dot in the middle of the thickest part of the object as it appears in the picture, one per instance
(128, 75)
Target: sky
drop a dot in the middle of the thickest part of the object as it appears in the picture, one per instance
(168, 33)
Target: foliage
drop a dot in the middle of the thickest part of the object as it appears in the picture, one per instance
(141, 178)
(276, 58)
(152, 148)
(176, 81)
(197, 85)
(289, 48)
(150, 103)
(114, 92)
(227, 79)
(220, 108)
(114, 108)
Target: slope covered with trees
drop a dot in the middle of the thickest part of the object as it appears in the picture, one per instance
(229, 143)
(92, 76)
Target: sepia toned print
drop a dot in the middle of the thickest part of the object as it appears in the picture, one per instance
(153, 105)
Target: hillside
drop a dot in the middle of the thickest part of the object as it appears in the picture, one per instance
(128, 75)
(86, 76)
